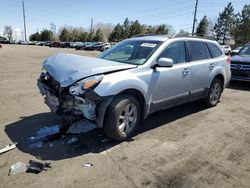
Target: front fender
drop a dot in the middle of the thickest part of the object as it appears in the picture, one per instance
(113, 84)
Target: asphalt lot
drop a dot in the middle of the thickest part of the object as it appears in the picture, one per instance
(186, 146)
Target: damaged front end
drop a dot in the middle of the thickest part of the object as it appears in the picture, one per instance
(73, 102)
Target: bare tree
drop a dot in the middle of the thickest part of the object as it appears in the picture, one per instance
(8, 32)
(106, 29)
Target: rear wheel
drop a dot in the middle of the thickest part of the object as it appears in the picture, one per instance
(214, 93)
(123, 117)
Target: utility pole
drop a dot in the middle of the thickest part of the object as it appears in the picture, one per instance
(195, 11)
(91, 26)
(24, 24)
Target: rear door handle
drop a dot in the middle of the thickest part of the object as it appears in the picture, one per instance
(185, 71)
(211, 66)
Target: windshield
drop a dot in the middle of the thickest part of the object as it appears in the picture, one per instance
(134, 52)
(245, 50)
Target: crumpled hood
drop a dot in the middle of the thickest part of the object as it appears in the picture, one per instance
(240, 58)
(69, 68)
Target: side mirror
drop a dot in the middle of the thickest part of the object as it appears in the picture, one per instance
(165, 62)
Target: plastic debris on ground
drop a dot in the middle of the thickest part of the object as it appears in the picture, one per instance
(72, 140)
(45, 131)
(37, 167)
(106, 140)
(17, 168)
(88, 165)
(82, 126)
(8, 148)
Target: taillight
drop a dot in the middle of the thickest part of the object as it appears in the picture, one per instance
(228, 60)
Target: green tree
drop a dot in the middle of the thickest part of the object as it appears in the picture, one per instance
(241, 32)
(225, 23)
(150, 29)
(91, 36)
(64, 36)
(35, 37)
(46, 35)
(75, 35)
(117, 34)
(162, 29)
(126, 28)
(84, 37)
(135, 29)
(202, 28)
(99, 37)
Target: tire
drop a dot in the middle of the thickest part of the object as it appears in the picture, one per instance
(122, 117)
(214, 93)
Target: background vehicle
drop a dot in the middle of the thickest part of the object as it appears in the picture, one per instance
(64, 44)
(236, 51)
(105, 47)
(226, 49)
(95, 46)
(240, 64)
(54, 44)
(133, 79)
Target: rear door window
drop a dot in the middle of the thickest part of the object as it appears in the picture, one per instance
(196, 50)
(214, 50)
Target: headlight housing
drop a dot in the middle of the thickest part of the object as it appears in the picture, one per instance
(87, 83)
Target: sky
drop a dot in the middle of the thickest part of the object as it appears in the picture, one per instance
(40, 13)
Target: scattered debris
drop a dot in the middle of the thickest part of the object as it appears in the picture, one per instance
(106, 140)
(17, 168)
(37, 167)
(72, 140)
(8, 148)
(88, 165)
(82, 126)
(44, 132)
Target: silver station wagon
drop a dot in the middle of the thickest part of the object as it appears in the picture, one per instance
(133, 79)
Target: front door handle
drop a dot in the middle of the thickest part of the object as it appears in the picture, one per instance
(185, 71)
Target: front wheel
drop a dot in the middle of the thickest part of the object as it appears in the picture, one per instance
(122, 117)
(214, 93)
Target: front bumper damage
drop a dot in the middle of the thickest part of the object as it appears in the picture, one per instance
(72, 107)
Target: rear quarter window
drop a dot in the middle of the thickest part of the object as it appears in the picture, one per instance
(196, 50)
(214, 50)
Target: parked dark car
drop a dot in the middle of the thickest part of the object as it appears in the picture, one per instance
(80, 46)
(240, 64)
(55, 44)
(96, 46)
(64, 44)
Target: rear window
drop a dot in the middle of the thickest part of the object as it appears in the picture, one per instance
(214, 50)
(196, 50)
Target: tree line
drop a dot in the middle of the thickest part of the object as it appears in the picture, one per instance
(228, 25)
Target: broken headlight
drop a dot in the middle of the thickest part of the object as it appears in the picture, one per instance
(87, 83)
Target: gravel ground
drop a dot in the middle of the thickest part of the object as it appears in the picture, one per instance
(186, 146)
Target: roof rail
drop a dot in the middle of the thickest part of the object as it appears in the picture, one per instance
(150, 34)
(189, 35)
